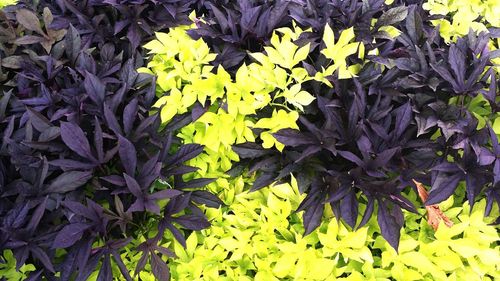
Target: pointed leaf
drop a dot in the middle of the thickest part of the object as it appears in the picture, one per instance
(68, 236)
(128, 155)
(74, 137)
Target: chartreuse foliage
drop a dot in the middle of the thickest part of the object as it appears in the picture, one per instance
(8, 268)
(4, 3)
(259, 237)
(463, 15)
(270, 86)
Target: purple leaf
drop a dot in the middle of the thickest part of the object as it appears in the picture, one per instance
(293, 138)
(206, 198)
(121, 266)
(403, 202)
(163, 194)
(38, 121)
(142, 262)
(178, 235)
(133, 186)
(79, 209)
(195, 183)
(37, 216)
(177, 204)
(389, 222)
(68, 181)
(134, 35)
(159, 268)
(129, 115)
(75, 139)
(457, 62)
(349, 209)
(71, 164)
(111, 120)
(185, 153)
(115, 179)
(90, 266)
(94, 88)
(312, 217)
(105, 274)
(98, 140)
(368, 212)
(40, 254)
(192, 222)
(68, 236)
(403, 118)
(128, 155)
(351, 157)
(443, 187)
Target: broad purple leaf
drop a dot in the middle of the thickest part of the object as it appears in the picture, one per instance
(403, 118)
(159, 268)
(457, 62)
(185, 153)
(390, 226)
(443, 187)
(98, 140)
(105, 273)
(68, 235)
(163, 194)
(349, 209)
(40, 254)
(206, 198)
(75, 139)
(111, 120)
(129, 116)
(38, 121)
(128, 155)
(133, 186)
(94, 88)
(68, 164)
(68, 181)
(37, 216)
(312, 217)
(368, 212)
(192, 222)
(293, 138)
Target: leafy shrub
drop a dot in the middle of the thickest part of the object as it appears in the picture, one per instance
(85, 165)
(259, 237)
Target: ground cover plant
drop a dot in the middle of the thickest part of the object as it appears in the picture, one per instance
(120, 120)
(265, 242)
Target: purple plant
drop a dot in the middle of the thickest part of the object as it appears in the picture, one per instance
(81, 146)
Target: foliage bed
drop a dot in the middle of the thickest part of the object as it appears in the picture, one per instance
(128, 126)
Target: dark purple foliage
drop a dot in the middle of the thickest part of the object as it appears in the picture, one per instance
(404, 118)
(80, 147)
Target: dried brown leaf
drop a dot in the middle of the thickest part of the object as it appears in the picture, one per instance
(434, 213)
